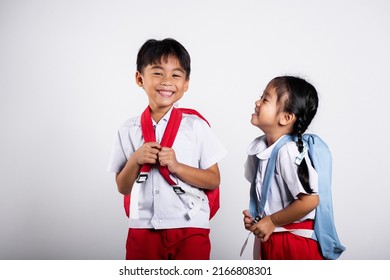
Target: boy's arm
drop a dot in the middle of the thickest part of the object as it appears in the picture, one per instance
(208, 179)
(146, 154)
(202, 178)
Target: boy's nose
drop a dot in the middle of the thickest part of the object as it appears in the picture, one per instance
(166, 81)
(257, 103)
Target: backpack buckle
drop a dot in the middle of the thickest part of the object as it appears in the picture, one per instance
(142, 177)
(178, 190)
(257, 219)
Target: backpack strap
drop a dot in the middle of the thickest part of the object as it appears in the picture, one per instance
(256, 209)
(324, 227)
(167, 141)
(212, 195)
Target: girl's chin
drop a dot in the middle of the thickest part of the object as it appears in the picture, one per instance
(253, 122)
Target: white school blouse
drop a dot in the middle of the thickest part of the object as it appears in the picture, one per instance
(154, 204)
(285, 185)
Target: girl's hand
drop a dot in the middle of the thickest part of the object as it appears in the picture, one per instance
(263, 229)
(248, 219)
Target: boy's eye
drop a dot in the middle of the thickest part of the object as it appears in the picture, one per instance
(157, 74)
(176, 75)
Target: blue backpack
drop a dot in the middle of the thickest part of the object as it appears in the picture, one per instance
(321, 158)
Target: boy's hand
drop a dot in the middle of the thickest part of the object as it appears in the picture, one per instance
(147, 153)
(167, 157)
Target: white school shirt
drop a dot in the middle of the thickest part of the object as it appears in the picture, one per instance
(285, 185)
(154, 204)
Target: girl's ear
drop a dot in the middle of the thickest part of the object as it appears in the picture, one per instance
(139, 79)
(286, 118)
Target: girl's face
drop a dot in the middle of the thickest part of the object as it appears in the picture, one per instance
(164, 83)
(268, 111)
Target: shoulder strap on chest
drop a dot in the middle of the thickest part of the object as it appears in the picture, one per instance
(257, 208)
(324, 227)
(167, 141)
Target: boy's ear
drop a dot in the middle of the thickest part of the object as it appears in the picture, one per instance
(186, 85)
(139, 79)
(286, 118)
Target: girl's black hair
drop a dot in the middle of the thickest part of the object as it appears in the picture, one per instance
(152, 51)
(302, 101)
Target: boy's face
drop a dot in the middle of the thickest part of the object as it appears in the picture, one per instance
(164, 83)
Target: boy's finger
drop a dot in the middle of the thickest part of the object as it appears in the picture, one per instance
(153, 145)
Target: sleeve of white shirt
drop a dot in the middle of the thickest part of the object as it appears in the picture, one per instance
(117, 158)
(251, 164)
(127, 140)
(211, 148)
(289, 170)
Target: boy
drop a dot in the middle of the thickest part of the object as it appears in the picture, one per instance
(165, 224)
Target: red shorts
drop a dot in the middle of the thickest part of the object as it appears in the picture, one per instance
(289, 246)
(168, 244)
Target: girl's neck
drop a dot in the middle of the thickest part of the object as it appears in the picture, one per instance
(273, 137)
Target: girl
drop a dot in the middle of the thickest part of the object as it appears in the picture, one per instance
(287, 106)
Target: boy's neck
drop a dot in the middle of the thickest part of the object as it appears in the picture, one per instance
(158, 113)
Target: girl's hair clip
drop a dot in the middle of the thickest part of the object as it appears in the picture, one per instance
(301, 156)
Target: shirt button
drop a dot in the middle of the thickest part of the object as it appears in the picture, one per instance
(156, 192)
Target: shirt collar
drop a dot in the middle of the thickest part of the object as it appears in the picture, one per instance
(259, 148)
(164, 119)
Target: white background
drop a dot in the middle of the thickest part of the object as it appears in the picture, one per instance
(67, 83)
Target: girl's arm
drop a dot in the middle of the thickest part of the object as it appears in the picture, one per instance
(296, 210)
(302, 205)
(292, 213)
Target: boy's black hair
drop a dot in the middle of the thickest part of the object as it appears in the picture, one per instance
(152, 51)
(302, 101)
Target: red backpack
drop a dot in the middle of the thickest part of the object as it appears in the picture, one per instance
(167, 141)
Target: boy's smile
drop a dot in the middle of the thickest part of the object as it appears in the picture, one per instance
(165, 93)
(165, 83)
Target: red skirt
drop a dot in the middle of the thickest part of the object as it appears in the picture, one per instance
(289, 246)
